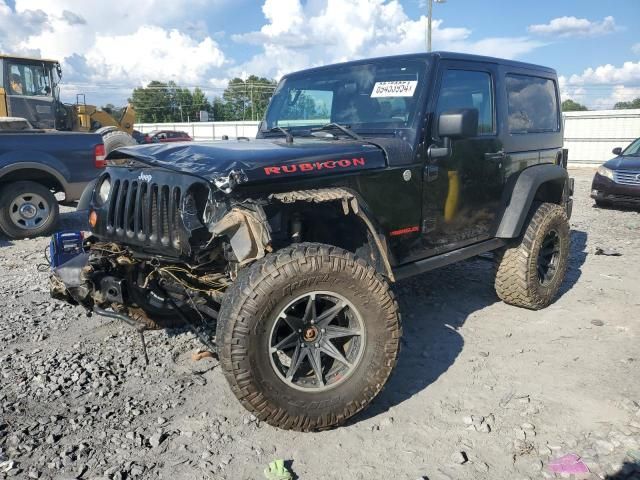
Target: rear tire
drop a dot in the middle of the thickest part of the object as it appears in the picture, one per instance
(116, 139)
(27, 209)
(255, 322)
(530, 272)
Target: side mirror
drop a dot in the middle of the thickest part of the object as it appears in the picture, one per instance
(459, 123)
(617, 151)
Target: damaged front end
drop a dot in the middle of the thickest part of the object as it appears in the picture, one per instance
(165, 246)
(163, 250)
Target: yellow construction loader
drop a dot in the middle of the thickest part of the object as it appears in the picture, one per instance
(29, 89)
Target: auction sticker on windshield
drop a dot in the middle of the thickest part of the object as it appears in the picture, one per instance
(399, 88)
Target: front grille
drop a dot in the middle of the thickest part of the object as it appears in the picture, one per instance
(144, 212)
(627, 177)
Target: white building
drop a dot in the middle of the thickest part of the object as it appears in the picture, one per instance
(590, 136)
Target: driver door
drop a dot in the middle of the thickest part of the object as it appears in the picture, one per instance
(462, 190)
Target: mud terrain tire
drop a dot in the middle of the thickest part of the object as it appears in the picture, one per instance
(116, 139)
(252, 309)
(520, 278)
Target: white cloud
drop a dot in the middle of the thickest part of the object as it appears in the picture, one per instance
(608, 74)
(16, 26)
(297, 36)
(624, 94)
(73, 18)
(64, 38)
(153, 53)
(602, 86)
(606, 100)
(635, 48)
(575, 27)
(107, 48)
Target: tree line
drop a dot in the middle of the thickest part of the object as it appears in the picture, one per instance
(246, 99)
(161, 102)
(571, 106)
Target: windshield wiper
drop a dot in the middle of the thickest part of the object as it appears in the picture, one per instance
(287, 134)
(343, 128)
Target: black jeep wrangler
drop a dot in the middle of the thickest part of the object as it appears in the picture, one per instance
(285, 246)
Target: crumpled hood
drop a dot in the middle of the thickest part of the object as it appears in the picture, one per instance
(259, 159)
(623, 163)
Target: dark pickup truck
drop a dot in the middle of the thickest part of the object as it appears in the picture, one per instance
(36, 164)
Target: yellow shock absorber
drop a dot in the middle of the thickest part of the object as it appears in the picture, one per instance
(453, 196)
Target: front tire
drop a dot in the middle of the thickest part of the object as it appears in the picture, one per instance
(530, 272)
(308, 336)
(27, 209)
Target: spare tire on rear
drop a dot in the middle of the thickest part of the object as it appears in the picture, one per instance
(116, 139)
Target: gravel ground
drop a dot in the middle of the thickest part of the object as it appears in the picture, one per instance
(482, 389)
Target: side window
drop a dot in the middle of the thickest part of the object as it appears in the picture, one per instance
(15, 81)
(469, 89)
(31, 80)
(533, 105)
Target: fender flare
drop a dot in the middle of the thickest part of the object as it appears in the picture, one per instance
(520, 196)
(16, 167)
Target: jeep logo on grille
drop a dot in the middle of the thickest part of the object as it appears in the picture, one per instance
(144, 178)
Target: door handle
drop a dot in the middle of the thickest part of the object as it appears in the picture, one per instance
(495, 155)
(496, 158)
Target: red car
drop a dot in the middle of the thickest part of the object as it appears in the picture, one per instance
(165, 136)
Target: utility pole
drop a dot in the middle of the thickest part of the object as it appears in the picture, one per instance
(430, 14)
(429, 18)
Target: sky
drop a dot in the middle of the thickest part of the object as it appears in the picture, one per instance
(108, 48)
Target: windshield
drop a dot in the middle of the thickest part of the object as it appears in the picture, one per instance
(633, 149)
(376, 95)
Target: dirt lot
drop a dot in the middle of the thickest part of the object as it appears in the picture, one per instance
(482, 389)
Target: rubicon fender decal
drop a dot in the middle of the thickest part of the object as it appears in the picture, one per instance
(344, 163)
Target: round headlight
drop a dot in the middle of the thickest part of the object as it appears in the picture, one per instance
(102, 193)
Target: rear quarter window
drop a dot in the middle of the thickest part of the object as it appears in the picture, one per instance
(533, 104)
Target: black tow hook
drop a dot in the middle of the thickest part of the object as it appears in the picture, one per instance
(129, 321)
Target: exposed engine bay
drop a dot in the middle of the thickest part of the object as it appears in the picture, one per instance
(113, 281)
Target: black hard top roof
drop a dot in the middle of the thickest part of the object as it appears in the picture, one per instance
(441, 55)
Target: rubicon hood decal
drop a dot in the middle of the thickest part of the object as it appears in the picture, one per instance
(260, 159)
(315, 166)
